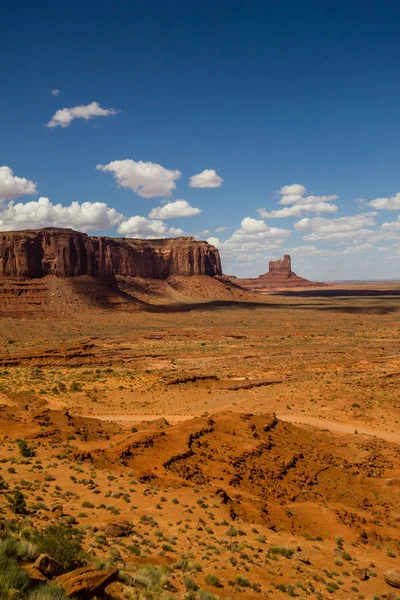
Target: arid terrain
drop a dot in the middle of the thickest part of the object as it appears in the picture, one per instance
(203, 441)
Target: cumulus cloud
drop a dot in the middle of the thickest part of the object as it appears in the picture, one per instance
(147, 179)
(392, 203)
(171, 210)
(256, 230)
(214, 241)
(12, 186)
(141, 227)
(252, 240)
(55, 92)
(42, 213)
(391, 226)
(206, 179)
(65, 116)
(351, 227)
(221, 229)
(297, 203)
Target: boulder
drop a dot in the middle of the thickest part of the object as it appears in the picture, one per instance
(392, 577)
(34, 574)
(361, 574)
(48, 565)
(86, 582)
(117, 591)
(118, 528)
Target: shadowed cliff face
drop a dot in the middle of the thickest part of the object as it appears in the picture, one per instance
(68, 253)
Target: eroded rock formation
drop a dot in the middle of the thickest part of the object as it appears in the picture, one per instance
(280, 275)
(281, 268)
(68, 253)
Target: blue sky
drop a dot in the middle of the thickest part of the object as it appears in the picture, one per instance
(273, 104)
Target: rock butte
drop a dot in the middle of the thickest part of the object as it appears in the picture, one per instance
(280, 275)
(68, 253)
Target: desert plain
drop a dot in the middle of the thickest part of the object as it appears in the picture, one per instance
(208, 442)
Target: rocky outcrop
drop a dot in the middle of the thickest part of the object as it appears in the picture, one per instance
(86, 582)
(118, 528)
(48, 565)
(68, 253)
(281, 268)
(280, 275)
(392, 577)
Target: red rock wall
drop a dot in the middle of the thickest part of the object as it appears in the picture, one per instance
(67, 253)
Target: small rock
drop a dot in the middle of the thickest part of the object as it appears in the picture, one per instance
(361, 574)
(118, 528)
(48, 565)
(302, 558)
(392, 577)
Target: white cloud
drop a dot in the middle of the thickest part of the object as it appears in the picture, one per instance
(175, 232)
(221, 229)
(295, 188)
(179, 208)
(392, 203)
(252, 230)
(351, 227)
(299, 204)
(55, 92)
(206, 179)
(42, 213)
(358, 249)
(147, 179)
(391, 226)
(65, 116)
(140, 227)
(12, 186)
(214, 241)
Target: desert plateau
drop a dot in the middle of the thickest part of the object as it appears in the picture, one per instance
(183, 437)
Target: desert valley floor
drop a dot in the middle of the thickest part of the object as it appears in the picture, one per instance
(247, 446)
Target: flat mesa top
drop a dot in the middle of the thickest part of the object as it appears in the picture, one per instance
(73, 232)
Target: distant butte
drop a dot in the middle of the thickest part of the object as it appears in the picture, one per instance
(279, 276)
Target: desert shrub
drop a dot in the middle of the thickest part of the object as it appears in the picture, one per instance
(203, 595)
(242, 581)
(25, 450)
(286, 552)
(75, 387)
(213, 580)
(48, 592)
(11, 575)
(62, 543)
(3, 484)
(18, 503)
(154, 578)
(190, 584)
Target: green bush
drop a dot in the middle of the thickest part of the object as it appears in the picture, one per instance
(18, 503)
(11, 575)
(213, 580)
(62, 543)
(25, 450)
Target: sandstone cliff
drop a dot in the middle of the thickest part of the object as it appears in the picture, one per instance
(68, 253)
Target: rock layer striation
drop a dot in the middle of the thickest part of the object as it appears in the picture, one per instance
(68, 253)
